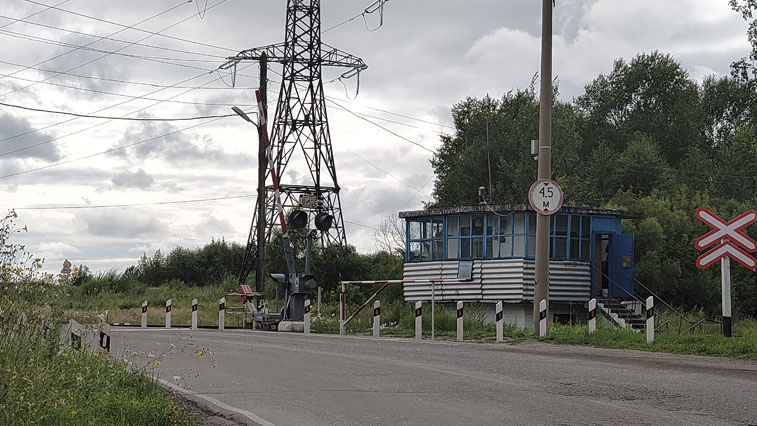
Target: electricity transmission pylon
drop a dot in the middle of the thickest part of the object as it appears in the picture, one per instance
(300, 129)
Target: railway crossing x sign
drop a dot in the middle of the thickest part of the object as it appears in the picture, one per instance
(733, 242)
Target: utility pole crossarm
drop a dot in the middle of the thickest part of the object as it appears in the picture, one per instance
(330, 57)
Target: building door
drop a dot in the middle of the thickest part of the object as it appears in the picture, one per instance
(620, 266)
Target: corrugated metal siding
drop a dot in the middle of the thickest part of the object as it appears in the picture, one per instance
(568, 281)
(509, 280)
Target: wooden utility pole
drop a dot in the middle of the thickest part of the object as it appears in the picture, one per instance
(262, 167)
(541, 266)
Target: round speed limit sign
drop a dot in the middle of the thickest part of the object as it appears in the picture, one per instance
(545, 196)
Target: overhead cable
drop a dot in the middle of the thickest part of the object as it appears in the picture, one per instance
(158, 203)
(137, 29)
(105, 117)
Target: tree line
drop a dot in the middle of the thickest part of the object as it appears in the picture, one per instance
(646, 137)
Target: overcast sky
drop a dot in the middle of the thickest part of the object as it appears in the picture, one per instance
(427, 56)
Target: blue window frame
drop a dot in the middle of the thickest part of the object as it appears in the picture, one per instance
(489, 236)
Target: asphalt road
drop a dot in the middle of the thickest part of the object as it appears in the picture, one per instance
(292, 379)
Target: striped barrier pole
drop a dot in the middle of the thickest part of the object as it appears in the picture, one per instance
(341, 312)
(542, 318)
(194, 314)
(459, 321)
(418, 320)
(650, 320)
(168, 313)
(221, 312)
(498, 320)
(144, 314)
(592, 316)
(376, 317)
(104, 341)
(306, 318)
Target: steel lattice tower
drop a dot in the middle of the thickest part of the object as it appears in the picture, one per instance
(300, 125)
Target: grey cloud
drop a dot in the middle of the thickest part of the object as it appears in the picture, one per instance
(212, 225)
(123, 223)
(138, 179)
(11, 127)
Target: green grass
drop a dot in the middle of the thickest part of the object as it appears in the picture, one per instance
(42, 384)
(743, 344)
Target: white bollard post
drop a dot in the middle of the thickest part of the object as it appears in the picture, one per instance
(168, 313)
(498, 318)
(221, 313)
(194, 314)
(459, 321)
(542, 318)
(306, 318)
(342, 299)
(418, 320)
(144, 314)
(650, 320)
(376, 317)
(592, 315)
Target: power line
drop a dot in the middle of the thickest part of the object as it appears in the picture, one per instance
(158, 59)
(34, 14)
(114, 80)
(119, 148)
(104, 117)
(93, 42)
(382, 127)
(92, 127)
(170, 49)
(123, 95)
(137, 29)
(159, 203)
(377, 5)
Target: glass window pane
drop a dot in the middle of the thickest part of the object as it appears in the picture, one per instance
(585, 249)
(465, 248)
(505, 246)
(452, 248)
(426, 250)
(506, 225)
(478, 225)
(453, 228)
(415, 230)
(561, 249)
(519, 220)
(427, 229)
(478, 247)
(585, 228)
(491, 225)
(415, 252)
(438, 250)
(574, 249)
(491, 248)
(532, 223)
(519, 246)
(465, 226)
(575, 226)
(438, 225)
(531, 246)
(561, 225)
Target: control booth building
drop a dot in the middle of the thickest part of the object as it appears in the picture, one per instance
(493, 248)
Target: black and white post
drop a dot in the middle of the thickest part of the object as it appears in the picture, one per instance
(592, 315)
(725, 275)
(221, 313)
(498, 319)
(342, 311)
(542, 318)
(650, 320)
(418, 320)
(376, 317)
(459, 321)
(306, 318)
(144, 314)
(168, 313)
(105, 341)
(194, 314)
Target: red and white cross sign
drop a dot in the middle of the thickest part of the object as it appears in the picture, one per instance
(730, 232)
